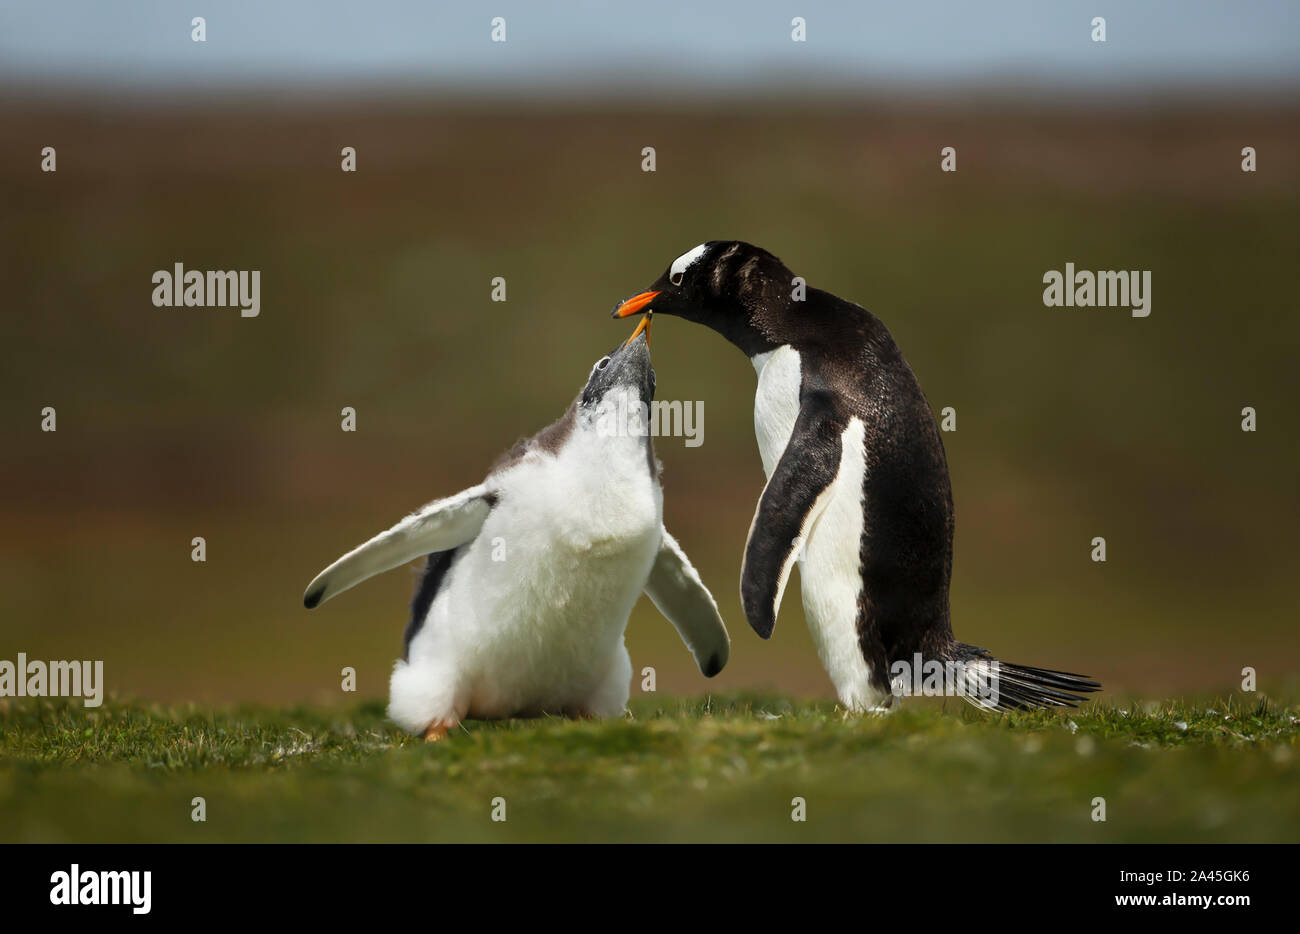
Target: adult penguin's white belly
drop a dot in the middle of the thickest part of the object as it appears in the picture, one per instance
(830, 570)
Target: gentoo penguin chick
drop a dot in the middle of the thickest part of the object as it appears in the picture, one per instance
(857, 485)
(531, 575)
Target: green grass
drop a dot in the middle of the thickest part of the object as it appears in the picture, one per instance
(719, 769)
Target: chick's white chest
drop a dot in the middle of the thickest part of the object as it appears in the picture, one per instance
(540, 602)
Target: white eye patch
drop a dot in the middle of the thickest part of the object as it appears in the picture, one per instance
(680, 264)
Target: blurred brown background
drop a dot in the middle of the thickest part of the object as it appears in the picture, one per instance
(175, 422)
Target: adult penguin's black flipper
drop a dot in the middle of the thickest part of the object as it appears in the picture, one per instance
(796, 493)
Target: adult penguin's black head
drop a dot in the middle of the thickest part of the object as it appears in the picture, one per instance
(739, 290)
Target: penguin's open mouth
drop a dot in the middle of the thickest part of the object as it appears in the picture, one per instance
(642, 325)
(634, 304)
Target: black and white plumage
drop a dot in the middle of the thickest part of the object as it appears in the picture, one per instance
(532, 574)
(857, 490)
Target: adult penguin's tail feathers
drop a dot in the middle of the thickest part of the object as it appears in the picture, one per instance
(991, 684)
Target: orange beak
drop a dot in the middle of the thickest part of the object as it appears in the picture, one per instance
(642, 325)
(634, 304)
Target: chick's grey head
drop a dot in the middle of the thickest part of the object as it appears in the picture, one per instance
(624, 371)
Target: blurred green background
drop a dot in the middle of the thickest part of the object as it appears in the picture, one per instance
(1072, 423)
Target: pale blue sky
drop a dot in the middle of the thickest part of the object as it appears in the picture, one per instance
(657, 45)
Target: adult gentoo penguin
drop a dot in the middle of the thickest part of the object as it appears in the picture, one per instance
(531, 575)
(857, 485)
